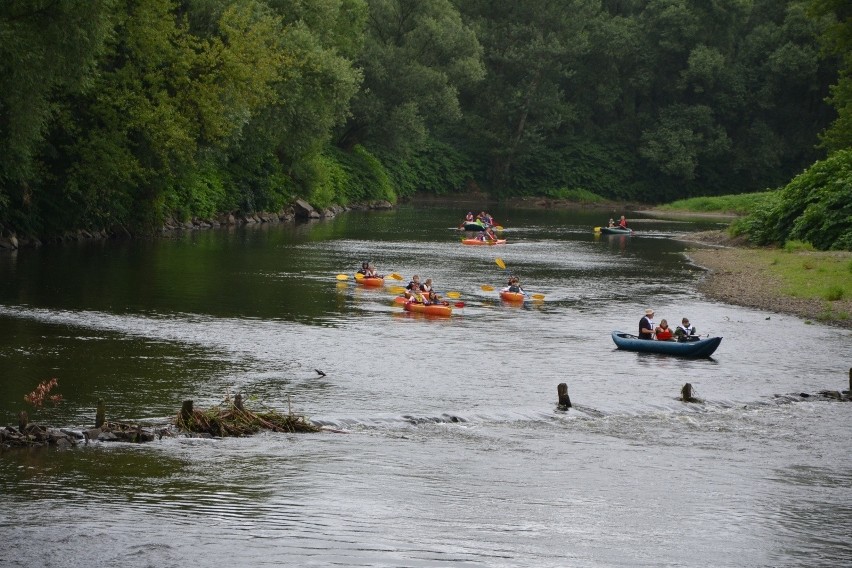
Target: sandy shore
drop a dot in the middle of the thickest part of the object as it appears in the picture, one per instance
(742, 276)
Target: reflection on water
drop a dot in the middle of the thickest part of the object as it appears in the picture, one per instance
(454, 451)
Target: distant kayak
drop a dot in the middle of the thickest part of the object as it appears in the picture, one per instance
(616, 231)
(700, 348)
(478, 242)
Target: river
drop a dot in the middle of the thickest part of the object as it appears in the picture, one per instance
(454, 453)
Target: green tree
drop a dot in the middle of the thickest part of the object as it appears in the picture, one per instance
(416, 57)
(46, 47)
(836, 40)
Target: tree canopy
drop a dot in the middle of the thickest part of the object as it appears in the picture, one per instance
(122, 113)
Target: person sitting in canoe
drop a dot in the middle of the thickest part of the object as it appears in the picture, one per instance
(469, 218)
(611, 223)
(372, 272)
(662, 331)
(365, 268)
(685, 331)
(412, 291)
(514, 286)
(426, 287)
(646, 325)
(432, 298)
(622, 223)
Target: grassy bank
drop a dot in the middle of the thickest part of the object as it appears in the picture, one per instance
(726, 204)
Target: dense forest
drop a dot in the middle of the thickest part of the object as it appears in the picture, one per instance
(122, 113)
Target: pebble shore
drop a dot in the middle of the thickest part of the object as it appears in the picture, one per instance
(735, 276)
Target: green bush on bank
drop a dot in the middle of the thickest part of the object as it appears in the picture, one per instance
(574, 195)
(742, 204)
(816, 208)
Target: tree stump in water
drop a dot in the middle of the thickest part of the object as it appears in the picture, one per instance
(238, 402)
(100, 414)
(23, 420)
(686, 394)
(564, 399)
(186, 411)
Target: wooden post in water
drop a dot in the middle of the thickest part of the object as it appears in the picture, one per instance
(686, 394)
(564, 399)
(238, 402)
(23, 420)
(100, 414)
(186, 411)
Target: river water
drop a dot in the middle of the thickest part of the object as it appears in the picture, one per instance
(454, 453)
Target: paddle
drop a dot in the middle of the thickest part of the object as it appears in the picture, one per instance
(342, 277)
(397, 289)
(454, 295)
(359, 276)
(487, 288)
(597, 229)
(500, 263)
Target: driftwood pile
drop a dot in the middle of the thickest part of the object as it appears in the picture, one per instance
(233, 419)
(230, 418)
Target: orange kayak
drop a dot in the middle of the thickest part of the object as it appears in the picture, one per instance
(512, 296)
(371, 281)
(478, 242)
(431, 309)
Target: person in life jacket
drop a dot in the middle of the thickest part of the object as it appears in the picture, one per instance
(412, 291)
(365, 268)
(662, 331)
(481, 236)
(514, 286)
(622, 223)
(685, 331)
(490, 234)
(433, 298)
(469, 218)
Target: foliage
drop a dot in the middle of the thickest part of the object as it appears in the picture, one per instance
(120, 114)
(814, 207)
(435, 168)
(836, 40)
(741, 204)
(42, 392)
(576, 195)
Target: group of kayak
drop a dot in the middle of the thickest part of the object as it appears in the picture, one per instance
(484, 225)
(421, 297)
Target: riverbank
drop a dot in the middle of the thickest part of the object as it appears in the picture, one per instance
(744, 276)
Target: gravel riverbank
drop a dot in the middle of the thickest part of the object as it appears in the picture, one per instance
(742, 276)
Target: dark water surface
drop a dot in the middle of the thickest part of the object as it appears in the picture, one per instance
(455, 453)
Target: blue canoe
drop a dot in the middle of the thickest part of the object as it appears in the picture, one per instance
(616, 231)
(700, 348)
